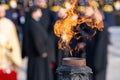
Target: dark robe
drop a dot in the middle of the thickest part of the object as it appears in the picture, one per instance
(24, 52)
(36, 43)
(47, 22)
(97, 54)
(97, 49)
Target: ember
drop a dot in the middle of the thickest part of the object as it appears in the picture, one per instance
(70, 26)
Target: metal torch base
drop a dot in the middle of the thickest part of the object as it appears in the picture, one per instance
(74, 69)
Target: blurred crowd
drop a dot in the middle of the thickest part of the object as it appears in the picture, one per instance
(26, 29)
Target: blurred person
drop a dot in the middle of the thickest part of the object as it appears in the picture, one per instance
(97, 49)
(12, 12)
(97, 54)
(47, 21)
(36, 47)
(10, 55)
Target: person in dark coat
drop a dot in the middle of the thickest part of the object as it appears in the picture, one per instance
(97, 49)
(36, 47)
(97, 54)
(47, 22)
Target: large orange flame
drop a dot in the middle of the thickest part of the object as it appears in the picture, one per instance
(63, 28)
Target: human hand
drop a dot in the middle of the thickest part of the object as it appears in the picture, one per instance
(44, 55)
(81, 45)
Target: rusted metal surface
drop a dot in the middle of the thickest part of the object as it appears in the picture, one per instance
(75, 62)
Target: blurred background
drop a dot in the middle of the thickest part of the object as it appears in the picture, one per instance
(104, 58)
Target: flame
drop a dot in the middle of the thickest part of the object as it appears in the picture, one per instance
(63, 28)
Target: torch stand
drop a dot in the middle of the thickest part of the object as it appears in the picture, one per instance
(74, 69)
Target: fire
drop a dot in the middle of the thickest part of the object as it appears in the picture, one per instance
(63, 28)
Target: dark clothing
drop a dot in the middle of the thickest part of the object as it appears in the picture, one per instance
(47, 22)
(37, 36)
(24, 52)
(97, 49)
(36, 43)
(97, 54)
(37, 69)
(100, 61)
(109, 19)
(45, 19)
(101, 75)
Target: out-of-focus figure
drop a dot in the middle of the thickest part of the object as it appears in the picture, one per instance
(47, 21)
(97, 48)
(36, 47)
(10, 55)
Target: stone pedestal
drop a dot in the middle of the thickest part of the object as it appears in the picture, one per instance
(74, 69)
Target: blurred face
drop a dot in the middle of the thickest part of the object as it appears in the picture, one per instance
(37, 14)
(40, 3)
(2, 12)
(62, 13)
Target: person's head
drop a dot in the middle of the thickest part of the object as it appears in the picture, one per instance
(2, 11)
(35, 12)
(41, 3)
(62, 13)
